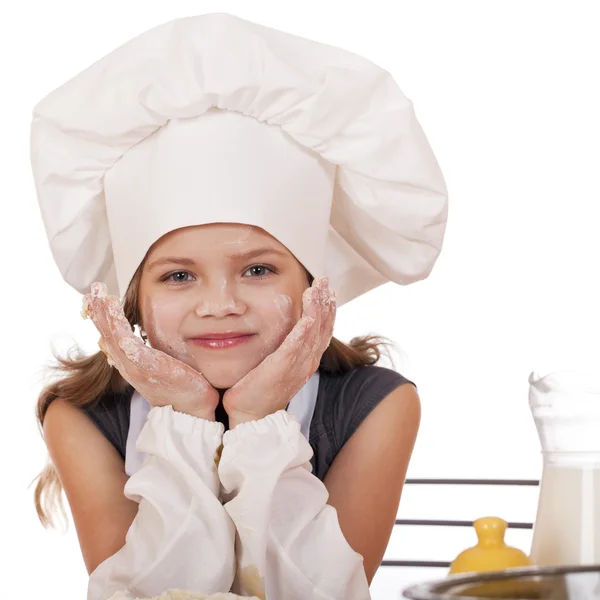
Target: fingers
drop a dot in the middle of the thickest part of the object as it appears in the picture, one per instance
(319, 301)
(298, 334)
(129, 374)
(118, 324)
(141, 356)
(328, 304)
(92, 308)
(312, 333)
(107, 315)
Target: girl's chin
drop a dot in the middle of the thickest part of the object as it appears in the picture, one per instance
(221, 379)
(221, 374)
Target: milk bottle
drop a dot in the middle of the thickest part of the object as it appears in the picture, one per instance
(566, 410)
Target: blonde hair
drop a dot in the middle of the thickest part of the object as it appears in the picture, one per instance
(84, 379)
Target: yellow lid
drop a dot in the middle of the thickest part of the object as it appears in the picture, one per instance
(490, 553)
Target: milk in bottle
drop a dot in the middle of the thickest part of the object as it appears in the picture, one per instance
(566, 410)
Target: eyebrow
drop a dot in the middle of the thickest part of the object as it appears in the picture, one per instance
(234, 256)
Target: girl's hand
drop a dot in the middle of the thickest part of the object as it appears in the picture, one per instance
(158, 377)
(271, 385)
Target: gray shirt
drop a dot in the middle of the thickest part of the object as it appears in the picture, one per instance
(343, 402)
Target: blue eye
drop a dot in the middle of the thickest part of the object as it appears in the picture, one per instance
(259, 271)
(173, 277)
(253, 272)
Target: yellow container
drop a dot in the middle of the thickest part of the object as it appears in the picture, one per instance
(490, 553)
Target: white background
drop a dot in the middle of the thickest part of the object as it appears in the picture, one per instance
(507, 93)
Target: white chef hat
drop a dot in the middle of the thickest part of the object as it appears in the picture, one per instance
(213, 119)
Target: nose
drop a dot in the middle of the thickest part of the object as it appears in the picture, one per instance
(219, 300)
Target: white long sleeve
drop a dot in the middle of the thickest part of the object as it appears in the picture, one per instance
(181, 537)
(289, 542)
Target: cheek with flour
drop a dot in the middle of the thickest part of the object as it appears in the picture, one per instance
(273, 319)
(163, 331)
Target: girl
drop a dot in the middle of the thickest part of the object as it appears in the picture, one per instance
(224, 179)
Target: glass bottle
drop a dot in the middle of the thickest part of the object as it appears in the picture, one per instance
(566, 409)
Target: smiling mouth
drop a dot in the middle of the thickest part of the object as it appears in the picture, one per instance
(222, 341)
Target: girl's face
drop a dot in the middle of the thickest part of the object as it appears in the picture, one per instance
(220, 298)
